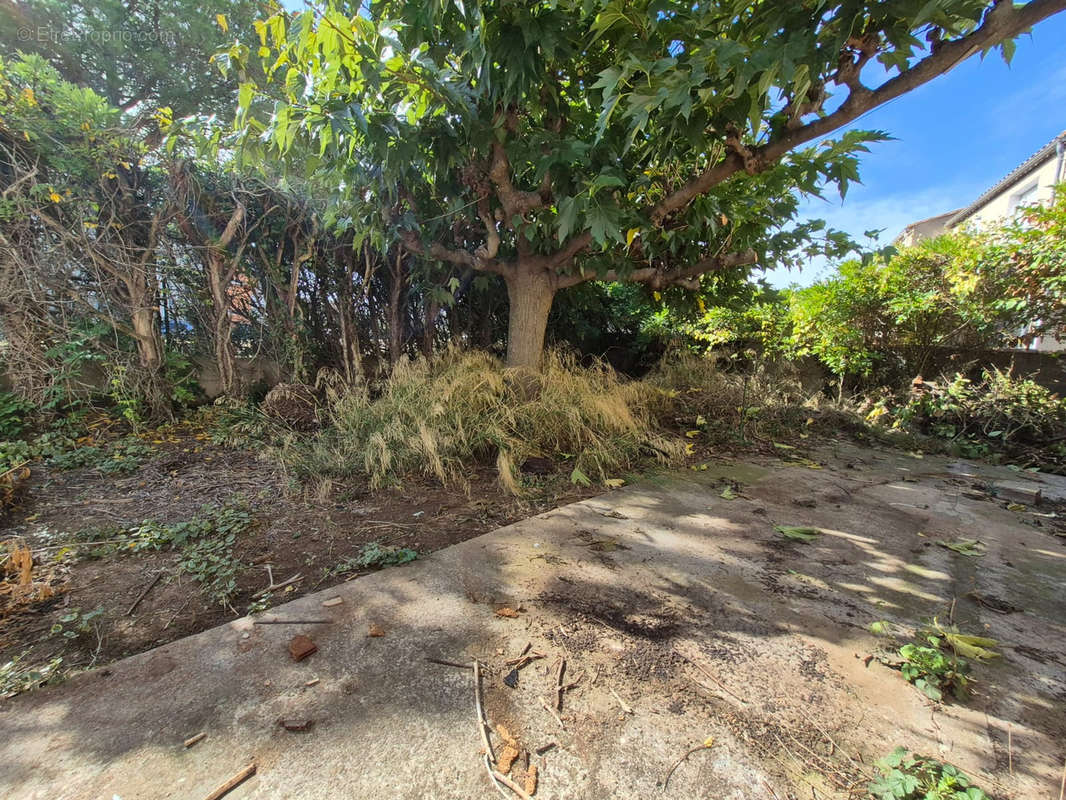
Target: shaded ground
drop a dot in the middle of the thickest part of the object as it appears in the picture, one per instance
(309, 536)
(682, 616)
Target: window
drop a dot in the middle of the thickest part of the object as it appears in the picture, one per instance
(1026, 197)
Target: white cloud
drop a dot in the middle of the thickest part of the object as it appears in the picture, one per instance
(891, 212)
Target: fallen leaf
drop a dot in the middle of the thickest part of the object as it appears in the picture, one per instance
(375, 630)
(966, 547)
(799, 533)
(506, 611)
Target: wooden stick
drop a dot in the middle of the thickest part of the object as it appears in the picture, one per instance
(551, 711)
(514, 787)
(492, 777)
(232, 783)
(144, 594)
(292, 622)
(1010, 750)
(626, 708)
(194, 739)
(717, 682)
(677, 763)
(447, 663)
(559, 684)
(1062, 786)
(481, 723)
(17, 466)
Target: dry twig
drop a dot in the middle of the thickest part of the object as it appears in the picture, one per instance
(144, 594)
(559, 684)
(666, 780)
(232, 783)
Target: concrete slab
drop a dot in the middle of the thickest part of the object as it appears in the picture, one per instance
(681, 615)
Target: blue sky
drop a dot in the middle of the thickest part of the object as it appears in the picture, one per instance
(955, 137)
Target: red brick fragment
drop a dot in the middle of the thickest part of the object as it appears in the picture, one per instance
(300, 647)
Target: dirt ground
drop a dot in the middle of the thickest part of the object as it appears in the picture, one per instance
(673, 615)
(291, 533)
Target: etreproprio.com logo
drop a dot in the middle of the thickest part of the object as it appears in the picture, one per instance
(47, 33)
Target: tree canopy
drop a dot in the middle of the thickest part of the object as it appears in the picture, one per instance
(137, 56)
(552, 143)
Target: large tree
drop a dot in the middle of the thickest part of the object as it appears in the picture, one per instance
(556, 142)
(136, 54)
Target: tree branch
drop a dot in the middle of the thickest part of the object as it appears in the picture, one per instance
(659, 278)
(1002, 21)
(459, 257)
(514, 201)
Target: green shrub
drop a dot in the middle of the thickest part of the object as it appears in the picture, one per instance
(1000, 408)
(14, 415)
(906, 776)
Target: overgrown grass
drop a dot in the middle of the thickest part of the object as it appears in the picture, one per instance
(444, 417)
(734, 405)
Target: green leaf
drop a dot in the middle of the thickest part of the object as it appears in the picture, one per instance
(799, 533)
(579, 478)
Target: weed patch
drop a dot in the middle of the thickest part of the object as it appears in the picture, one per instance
(906, 776)
(374, 555)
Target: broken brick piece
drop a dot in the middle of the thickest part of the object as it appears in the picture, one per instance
(300, 647)
(506, 612)
(506, 736)
(507, 757)
(295, 725)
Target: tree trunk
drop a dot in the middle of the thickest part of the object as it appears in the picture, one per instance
(397, 292)
(530, 291)
(221, 324)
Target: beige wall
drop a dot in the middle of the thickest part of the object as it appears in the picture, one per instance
(1042, 180)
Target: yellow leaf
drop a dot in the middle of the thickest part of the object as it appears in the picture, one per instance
(631, 234)
(657, 296)
(29, 96)
(55, 198)
(614, 483)
(223, 23)
(692, 434)
(689, 448)
(708, 742)
(701, 304)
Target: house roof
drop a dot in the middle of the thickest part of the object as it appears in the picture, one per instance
(939, 222)
(1012, 177)
(935, 218)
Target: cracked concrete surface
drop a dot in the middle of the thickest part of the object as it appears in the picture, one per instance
(681, 616)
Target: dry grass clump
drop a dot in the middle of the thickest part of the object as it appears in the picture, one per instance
(441, 417)
(766, 400)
